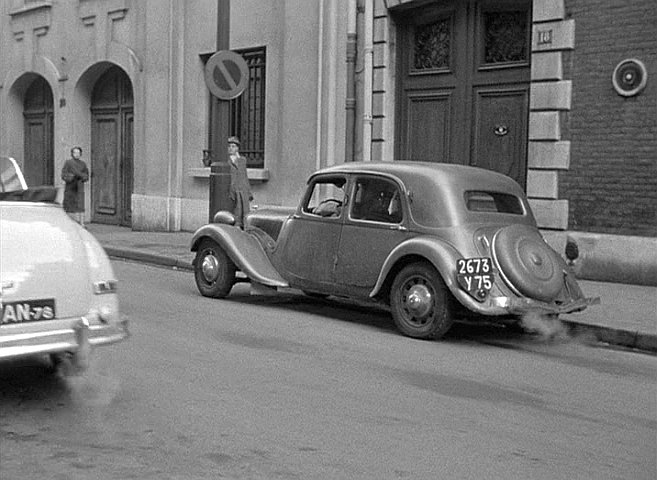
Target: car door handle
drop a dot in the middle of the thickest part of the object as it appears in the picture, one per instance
(399, 228)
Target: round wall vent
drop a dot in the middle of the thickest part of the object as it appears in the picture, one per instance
(630, 77)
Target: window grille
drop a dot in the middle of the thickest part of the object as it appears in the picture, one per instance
(247, 112)
(432, 45)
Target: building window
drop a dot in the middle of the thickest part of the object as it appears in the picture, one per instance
(247, 112)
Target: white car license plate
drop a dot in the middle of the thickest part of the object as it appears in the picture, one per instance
(28, 311)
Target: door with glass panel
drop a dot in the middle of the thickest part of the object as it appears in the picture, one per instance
(463, 84)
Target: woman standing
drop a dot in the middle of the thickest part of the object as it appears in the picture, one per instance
(75, 173)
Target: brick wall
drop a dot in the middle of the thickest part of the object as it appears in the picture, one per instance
(612, 181)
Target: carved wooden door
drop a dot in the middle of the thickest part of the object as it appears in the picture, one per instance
(463, 84)
(38, 166)
(111, 149)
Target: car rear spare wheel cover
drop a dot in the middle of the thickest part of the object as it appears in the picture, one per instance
(528, 263)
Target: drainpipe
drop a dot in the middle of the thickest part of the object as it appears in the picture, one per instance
(320, 87)
(350, 104)
(367, 9)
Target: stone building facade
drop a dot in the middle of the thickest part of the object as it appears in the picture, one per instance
(337, 80)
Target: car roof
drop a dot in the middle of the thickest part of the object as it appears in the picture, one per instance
(456, 176)
(440, 187)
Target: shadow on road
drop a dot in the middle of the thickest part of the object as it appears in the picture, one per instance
(378, 317)
(28, 382)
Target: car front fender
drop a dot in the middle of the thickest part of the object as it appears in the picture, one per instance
(244, 250)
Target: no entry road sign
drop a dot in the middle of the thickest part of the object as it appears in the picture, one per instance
(226, 74)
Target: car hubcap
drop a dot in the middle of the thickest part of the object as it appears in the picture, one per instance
(418, 300)
(210, 268)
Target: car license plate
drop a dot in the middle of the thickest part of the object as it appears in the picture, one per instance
(28, 311)
(474, 274)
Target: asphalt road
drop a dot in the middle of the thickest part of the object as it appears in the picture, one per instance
(288, 387)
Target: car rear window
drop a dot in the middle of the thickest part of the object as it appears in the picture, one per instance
(493, 202)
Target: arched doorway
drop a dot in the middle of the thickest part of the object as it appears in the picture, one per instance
(39, 162)
(463, 90)
(112, 149)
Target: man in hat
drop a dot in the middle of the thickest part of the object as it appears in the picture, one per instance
(240, 189)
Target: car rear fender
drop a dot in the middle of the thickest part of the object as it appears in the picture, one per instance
(440, 254)
(244, 249)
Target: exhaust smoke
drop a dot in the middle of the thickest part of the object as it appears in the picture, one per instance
(547, 327)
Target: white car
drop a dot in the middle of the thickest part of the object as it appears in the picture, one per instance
(58, 289)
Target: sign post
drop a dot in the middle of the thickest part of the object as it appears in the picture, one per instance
(226, 76)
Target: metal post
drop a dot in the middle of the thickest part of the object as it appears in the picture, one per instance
(220, 122)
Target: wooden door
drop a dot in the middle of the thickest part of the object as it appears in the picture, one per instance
(39, 164)
(464, 84)
(127, 166)
(111, 149)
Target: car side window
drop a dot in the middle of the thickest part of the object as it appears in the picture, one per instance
(376, 200)
(326, 197)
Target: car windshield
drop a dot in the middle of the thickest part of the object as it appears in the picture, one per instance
(14, 188)
(11, 177)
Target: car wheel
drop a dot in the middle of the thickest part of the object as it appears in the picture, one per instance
(214, 271)
(528, 263)
(420, 303)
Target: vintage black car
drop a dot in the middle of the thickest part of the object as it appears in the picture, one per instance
(435, 242)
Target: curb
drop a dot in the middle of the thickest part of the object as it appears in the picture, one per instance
(147, 257)
(645, 342)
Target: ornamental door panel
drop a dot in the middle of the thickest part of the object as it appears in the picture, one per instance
(499, 136)
(127, 166)
(39, 165)
(105, 169)
(432, 92)
(464, 77)
(112, 149)
(429, 122)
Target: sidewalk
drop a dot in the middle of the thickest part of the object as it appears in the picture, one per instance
(626, 316)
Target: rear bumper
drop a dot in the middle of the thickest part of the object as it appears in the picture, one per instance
(60, 336)
(519, 306)
(495, 306)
